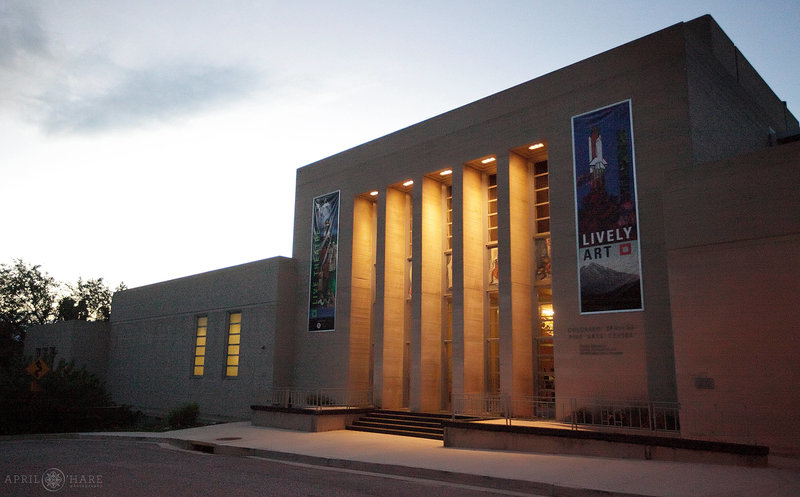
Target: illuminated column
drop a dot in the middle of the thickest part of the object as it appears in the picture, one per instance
(426, 327)
(361, 293)
(380, 269)
(515, 290)
(468, 276)
(394, 300)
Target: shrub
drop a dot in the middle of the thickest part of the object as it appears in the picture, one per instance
(68, 399)
(184, 416)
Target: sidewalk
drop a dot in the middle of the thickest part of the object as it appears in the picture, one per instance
(537, 474)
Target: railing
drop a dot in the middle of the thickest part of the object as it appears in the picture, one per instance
(316, 398)
(478, 405)
(640, 415)
(634, 415)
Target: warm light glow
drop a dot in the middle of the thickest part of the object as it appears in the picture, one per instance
(446, 172)
(536, 146)
(488, 160)
(408, 182)
(546, 311)
(374, 193)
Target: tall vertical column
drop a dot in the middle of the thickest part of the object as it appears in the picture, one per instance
(361, 294)
(394, 300)
(426, 330)
(515, 289)
(468, 279)
(380, 291)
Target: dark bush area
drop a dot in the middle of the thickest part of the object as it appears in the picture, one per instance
(67, 399)
(184, 416)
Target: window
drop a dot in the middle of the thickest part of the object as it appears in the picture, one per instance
(47, 354)
(234, 335)
(493, 346)
(448, 246)
(492, 208)
(541, 182)
(200, 345)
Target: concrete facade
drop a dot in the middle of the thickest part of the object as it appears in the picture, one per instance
(153, 343)
(440, 286)
(84, 342)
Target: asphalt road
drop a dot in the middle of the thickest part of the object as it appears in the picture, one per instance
(87, 468)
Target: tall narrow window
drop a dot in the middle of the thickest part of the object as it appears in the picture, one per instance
(492, 208)
(492, 351)
(201, 331)
(493, 346)
(541, 181)
(234, 335)
(545, 369)
(448, 246)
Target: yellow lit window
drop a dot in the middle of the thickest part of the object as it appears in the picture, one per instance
(234, 335)
(200, 345)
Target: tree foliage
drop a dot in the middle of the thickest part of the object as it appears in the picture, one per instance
(89, 300)
(30, 296)
(27, 298)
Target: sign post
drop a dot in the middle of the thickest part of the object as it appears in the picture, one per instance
(37, 369)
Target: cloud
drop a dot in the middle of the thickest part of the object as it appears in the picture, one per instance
(64, 89)
(111, 97)
(21, 34)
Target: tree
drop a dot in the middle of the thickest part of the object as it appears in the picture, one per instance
(90, 300)
(27, 297)
(67, 309)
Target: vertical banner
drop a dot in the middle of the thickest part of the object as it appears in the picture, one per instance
(324, 245)
(609, 264)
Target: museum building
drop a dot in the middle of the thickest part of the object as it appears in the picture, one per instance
(623, 232)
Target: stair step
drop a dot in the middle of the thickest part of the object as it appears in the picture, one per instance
(388, 431)
(438, 415)
(399, 427)
(405, 423)
(401, 421)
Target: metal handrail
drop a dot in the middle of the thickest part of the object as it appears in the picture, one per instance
(600, 413)
(316, 398)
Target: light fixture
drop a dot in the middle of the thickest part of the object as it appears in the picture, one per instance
(408, 182)
(536, 146)
(374, 193)
(446, 172)
(488, 160)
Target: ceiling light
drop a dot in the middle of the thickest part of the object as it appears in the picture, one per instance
(536, 146)
(488, 160)
(408, 182)
(374, 193)
(446, 172)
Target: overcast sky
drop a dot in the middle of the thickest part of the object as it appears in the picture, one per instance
(146, 140)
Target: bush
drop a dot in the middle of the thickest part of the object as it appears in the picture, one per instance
(184, 416)
(69, 399)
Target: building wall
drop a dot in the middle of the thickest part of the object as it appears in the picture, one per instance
(732, 109)
(734, 260)
(85, 342)
(650, 73)
(153, 341)
(687, 107)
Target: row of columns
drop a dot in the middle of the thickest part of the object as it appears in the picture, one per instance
(379, 293)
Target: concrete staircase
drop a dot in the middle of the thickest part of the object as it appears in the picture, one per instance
(410, 424)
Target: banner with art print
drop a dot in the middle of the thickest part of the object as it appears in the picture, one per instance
(609, 263)
(324, 245)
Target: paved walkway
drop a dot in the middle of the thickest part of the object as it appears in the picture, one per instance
(550, 475)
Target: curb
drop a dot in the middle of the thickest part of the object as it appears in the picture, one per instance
(488, 482)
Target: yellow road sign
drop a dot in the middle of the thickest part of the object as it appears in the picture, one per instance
(38, 368)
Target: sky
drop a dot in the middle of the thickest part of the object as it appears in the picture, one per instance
(142, 141)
